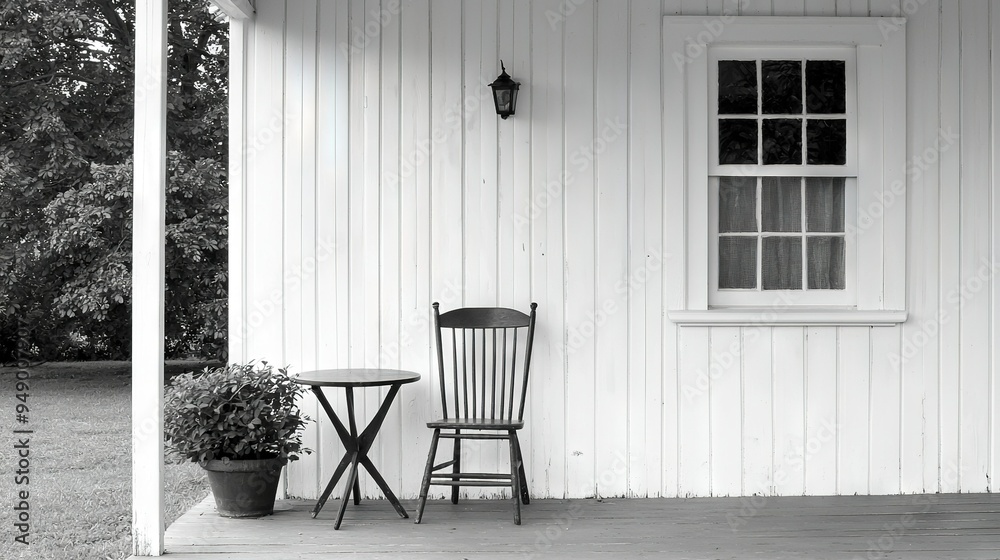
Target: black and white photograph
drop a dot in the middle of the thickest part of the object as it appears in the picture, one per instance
(500, 279)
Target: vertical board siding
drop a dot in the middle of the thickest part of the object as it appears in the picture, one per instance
(820, 8)
(758, 411)
(479, 259)
(673, 232)
(329, 86)
(818, 453)
(415, 403)
(949, 269)
(884, 412)
(610, 144)
(646, 256)
(581, 461)
(788, 352)
(298, 292)
(547, 472)
(371, 137)
(446, 188)
(370, 182)
(853, 409)
(919, 350)
(482, 169)
(694, 422)
(520, 165)
(726, 406)
(976, 269)
(390, 220)
(994, 379)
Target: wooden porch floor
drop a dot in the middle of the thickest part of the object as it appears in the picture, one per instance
(959, 526)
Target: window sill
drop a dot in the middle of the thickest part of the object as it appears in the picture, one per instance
(786, 317)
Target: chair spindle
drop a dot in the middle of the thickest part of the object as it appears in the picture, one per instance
(513, 369)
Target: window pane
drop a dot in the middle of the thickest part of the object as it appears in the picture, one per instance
(782, 140)
(826, 263)
(737, 87)
(825, 86)
(781, 87)
(825, 204)
(827, 141)
(781, 263)
(781, 204)
(737, 141)
(737, 204)
(737, 262)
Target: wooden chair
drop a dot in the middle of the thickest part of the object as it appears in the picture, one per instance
(486, 388)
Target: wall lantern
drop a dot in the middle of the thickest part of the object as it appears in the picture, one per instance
(504, 93)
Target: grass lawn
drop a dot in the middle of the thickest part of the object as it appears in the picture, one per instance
(80, 474)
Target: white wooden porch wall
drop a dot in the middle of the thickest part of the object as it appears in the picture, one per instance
(379, 179)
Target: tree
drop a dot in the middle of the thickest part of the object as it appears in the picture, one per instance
(66, 116)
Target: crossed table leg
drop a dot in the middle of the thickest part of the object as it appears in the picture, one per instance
(356, 452)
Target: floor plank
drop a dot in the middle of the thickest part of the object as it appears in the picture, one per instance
(965, 526)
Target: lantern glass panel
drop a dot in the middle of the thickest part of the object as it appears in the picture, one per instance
(503, 99)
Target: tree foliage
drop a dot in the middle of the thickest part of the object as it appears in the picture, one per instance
(66, 118)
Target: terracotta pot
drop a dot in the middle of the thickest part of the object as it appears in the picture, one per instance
(246, 487)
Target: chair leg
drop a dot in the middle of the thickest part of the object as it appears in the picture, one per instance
(515, 478)
(520, 471)
(457, 467)
(426, 484)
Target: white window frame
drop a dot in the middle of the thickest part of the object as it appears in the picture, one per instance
(875, 213)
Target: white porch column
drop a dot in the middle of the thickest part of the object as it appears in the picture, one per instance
(149, 175)
(237, 188)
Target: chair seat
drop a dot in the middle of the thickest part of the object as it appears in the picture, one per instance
(476, 424)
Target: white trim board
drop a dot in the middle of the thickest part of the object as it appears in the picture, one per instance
(786, 317)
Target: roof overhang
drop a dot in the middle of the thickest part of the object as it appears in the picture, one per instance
(236, 9)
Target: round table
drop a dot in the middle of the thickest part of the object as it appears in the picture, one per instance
(356, 445)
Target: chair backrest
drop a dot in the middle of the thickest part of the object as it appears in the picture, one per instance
(489, 353)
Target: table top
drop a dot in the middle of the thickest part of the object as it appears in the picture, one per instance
(355, 377)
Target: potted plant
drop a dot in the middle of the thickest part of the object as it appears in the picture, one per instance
(242, 424)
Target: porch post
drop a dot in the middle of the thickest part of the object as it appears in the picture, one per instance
(237, 187)
(149, 193)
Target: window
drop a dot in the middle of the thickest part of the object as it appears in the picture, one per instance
(783, 137)
(782, 128)
(781, 233)
(782, 112)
